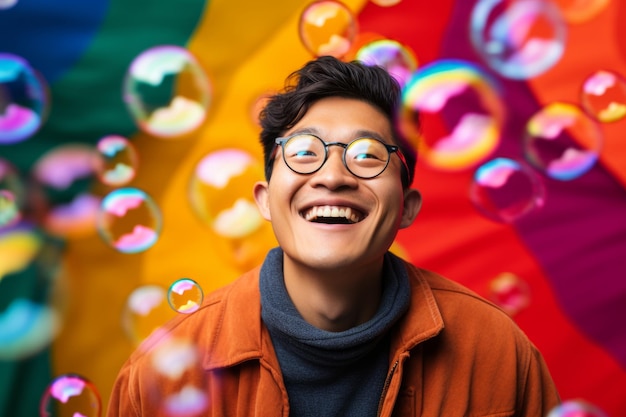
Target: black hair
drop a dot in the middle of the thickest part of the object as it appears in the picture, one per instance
(324, 77)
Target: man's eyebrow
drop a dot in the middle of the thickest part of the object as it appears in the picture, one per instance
(370, 134)
(305, 130)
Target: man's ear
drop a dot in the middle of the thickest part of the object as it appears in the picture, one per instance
(261, 197)
(412, 206)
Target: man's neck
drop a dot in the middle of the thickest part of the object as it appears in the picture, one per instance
(334, 300)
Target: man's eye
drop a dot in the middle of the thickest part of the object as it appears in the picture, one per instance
(303, 153)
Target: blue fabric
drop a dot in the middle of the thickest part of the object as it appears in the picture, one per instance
(332, 373)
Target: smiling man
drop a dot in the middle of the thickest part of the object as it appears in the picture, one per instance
(332, 323)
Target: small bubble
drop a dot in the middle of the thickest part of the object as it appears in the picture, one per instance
(185, 296)
(327, 28)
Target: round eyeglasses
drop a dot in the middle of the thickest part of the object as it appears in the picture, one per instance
(364, 157)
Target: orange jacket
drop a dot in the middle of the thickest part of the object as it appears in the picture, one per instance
(453, 354)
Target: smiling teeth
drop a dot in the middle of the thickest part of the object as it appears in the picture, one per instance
(332, 211)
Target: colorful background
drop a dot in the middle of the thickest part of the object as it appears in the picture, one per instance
(568, 255)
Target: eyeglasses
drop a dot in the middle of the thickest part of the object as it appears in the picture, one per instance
(364, 157)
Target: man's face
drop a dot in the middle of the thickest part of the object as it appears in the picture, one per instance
(331, 219)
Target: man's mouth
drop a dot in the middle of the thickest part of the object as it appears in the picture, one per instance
(333, 215)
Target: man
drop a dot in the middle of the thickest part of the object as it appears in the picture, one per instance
(332, 323)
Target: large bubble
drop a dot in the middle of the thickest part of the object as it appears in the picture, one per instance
(167, 91)
(603, 96)
(71, 395)
(327, 28)
(562, 141)
(459, 106)
(220, 192)
(23, 99)
(504, 190)
(129, 220)
(519, 39)
(395, 57)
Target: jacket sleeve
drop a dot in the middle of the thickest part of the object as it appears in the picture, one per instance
(122, 401)
(538, 395)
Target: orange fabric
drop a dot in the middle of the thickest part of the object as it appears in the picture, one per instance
(434, 350)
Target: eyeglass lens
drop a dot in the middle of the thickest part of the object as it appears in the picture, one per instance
(363, 157)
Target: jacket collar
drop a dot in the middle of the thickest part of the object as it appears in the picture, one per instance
(234, 334)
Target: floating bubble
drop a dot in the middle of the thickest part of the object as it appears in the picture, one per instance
(576, 408)
(26, 328)
(509, 292)
(129, 220)
(189, 401)
(396, 58)
(519, 39)
(185, 296)
(23, 99)
(577, 11)
(327, 28)
(460, 106)
(145, 311)
(167, 91)
(71, 395)
(18, 247)
(63, 165)
(562, 141)
(77, 218)
(9, 211)
(220, 192)
(603, 96)
(172, 357)
(505, 190)
(118, 160)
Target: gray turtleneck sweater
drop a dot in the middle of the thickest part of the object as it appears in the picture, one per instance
(332, 374)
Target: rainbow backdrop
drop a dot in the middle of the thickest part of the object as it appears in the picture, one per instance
(571, 252)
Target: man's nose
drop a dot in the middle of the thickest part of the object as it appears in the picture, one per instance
(334, 174)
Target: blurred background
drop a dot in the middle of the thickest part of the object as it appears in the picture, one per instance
(129, 146)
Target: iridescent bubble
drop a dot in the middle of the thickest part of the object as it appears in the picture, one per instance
(327, 28)
(129, 220)
(603, 96)
(18, 247)
(9, 211)
(145, 311)
(118, 160)
(220, 192)
(71, 395)
(23, 99)
(26, 328)
(77, 218)
(505, 190)
(189, 401)
(167, 91)
(185, 296)
(519, 39)
(396, 58)
(63, 165)
(509, 292)
(172, 357)
(579, 11)
(562, 141)
(461, 108)
(576, 408)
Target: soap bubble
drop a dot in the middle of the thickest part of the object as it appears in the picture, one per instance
(509, 292)
(576, 408)
(118, 160)
(519, 39)
(505, 190)
(185, 295)
(23, 99)
(71, 395)
(167, 91)
(603, 96)
(145, 311)
(396, 58)
(562, 141)
(129, 220)
(327, 28)
(459, 105)
(220, 192)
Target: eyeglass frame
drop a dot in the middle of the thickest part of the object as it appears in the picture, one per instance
(391, 149)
